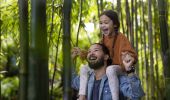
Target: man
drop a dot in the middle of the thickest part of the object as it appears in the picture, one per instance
(98, 86)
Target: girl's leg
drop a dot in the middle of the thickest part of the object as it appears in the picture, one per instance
(112, 73)
(84, 72)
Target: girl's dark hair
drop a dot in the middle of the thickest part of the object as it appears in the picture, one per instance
(106, 51)
(113, 16)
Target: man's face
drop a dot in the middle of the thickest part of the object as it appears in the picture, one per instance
(95, 57)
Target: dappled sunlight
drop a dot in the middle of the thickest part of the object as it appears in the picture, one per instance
(148, 35)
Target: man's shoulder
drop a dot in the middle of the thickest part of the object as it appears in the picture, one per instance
(128, 78)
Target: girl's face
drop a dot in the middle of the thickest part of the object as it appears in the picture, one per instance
(106, 25)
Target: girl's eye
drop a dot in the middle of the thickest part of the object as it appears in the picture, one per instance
(106, 22)
(96, 50)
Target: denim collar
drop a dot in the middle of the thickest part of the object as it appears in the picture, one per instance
(91, 83)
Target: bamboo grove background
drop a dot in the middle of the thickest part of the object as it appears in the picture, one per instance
(36, 37)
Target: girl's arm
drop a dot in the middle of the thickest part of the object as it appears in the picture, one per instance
(126, 47)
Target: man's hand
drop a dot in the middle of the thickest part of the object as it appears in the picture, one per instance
(128, 60)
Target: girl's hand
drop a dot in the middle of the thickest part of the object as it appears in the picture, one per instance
(128, 60)
(75, 52)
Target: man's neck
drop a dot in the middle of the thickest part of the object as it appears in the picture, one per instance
(100, 72)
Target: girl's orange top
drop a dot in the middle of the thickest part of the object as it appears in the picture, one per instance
(121, 44)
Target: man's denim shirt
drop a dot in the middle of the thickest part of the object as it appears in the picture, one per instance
(130, 87)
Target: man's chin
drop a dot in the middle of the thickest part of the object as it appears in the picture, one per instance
(92, 62)
(95, 65)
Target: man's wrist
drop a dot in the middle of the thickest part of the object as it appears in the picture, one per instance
(132, 70)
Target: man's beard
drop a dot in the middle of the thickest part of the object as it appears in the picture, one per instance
(96, 65)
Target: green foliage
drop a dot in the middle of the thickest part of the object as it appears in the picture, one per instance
(88, 33)
(9, 87)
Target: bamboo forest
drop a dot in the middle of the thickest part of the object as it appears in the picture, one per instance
(37, 36)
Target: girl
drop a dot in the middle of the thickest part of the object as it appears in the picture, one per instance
(122, 54)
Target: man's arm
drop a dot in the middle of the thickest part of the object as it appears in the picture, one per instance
(75, 84)
(130, 86)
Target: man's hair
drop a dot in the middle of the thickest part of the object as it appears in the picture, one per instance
(113, 16)
(106, 51)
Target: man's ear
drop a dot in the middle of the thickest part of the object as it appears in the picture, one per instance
(106, 57)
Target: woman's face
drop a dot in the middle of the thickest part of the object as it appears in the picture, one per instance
(106, 25)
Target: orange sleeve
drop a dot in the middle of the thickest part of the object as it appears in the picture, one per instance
(126, 46)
